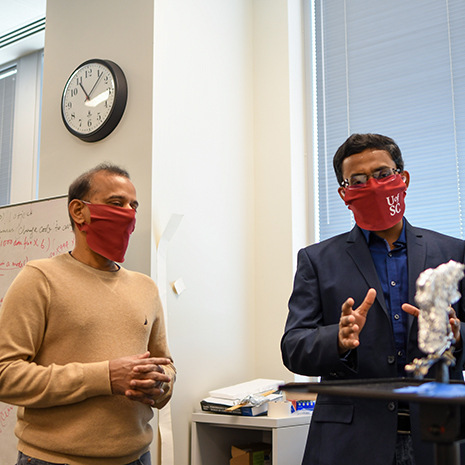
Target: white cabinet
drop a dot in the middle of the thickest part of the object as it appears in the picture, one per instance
(213, 434)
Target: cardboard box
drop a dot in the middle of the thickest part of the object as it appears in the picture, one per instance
(250, 454)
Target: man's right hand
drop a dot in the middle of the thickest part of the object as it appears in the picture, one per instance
(123, 372)
(352, 322)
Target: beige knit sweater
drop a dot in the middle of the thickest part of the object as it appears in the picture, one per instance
(60, 323)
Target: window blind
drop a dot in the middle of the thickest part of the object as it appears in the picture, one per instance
(7, 102)
(396, 68)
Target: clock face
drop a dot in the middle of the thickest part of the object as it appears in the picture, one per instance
(94, 99)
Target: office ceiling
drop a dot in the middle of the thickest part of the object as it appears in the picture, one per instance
(17, 13)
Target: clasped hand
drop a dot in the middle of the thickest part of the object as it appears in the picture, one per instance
(139, 377)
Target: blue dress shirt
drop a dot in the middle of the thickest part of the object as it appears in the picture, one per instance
(391, 266)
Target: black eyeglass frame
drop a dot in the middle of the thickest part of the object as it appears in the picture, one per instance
(376, 175)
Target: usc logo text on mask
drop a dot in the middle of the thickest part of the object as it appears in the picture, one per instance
(394, 204)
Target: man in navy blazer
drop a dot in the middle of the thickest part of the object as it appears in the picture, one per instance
(352, 314)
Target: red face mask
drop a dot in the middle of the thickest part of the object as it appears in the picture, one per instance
(109, 229)
(379, 204)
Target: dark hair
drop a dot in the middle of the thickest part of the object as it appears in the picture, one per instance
(357, 143)
(81, 186)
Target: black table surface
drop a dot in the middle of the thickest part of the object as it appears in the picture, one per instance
(387, 388)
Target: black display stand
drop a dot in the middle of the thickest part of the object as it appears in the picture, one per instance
(440, 415)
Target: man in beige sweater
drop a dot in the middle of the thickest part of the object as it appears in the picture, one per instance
(83, 349)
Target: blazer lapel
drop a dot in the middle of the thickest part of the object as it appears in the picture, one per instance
(358, 250)
(416, 256)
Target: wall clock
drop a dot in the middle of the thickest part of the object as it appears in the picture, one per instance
(94, 99)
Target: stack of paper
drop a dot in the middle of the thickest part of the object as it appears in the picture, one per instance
(245, 396)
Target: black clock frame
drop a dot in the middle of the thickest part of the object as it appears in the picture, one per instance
(116, 113)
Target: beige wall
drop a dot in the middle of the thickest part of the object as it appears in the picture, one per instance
(280, 171)
(213, 130)
(76, 32)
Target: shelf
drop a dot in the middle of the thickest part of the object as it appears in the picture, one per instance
(261, 422)
(213, 434)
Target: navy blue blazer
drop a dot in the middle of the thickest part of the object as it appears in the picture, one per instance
(357, 431)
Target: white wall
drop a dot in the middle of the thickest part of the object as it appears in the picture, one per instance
(207, 133)
(203, 169)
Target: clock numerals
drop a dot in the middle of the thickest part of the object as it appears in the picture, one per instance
(94, 99)
(92, 88)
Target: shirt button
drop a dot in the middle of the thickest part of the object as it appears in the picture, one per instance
(393, 283)
(391, 406)
(396, 316)
(390, 254)
(391, 359)
(400, 353)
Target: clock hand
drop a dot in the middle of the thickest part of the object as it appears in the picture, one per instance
(84, 90)
(95, 85)
(98, 99)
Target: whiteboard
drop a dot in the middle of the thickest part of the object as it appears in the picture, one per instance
(28, 231)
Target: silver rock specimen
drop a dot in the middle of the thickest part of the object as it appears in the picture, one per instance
(436, 291)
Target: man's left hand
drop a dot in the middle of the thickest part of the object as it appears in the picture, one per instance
(453, 320)
(148, 383)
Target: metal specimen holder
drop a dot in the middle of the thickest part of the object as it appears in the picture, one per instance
(440, 416)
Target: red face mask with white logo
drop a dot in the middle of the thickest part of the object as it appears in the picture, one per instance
(379, 204)
(109, 229)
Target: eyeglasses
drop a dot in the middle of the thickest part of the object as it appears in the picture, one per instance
(362, 179)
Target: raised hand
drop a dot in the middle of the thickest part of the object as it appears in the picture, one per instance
(352, 321)
(453, 321)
